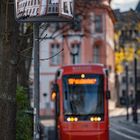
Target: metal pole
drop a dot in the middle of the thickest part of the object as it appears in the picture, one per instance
(135, 116)
(127, 97)
(117, 89)
(73, 57)
(36, 81)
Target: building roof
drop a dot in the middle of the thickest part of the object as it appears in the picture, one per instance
(138, 7)
(127, 16)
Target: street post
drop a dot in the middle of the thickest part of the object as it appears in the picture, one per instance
(36, 135)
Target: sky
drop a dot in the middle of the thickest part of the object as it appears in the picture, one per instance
(124, 5)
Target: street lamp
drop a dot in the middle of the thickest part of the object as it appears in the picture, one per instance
(134, 109)
(75, 48)
(75, 52)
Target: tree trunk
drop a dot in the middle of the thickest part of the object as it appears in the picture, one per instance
(8, 76)
(25, 45)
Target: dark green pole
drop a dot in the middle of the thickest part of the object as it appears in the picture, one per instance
(127, 97)
(135, 115)
(36, 82)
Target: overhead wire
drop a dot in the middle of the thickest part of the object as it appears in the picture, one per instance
(52, 55)
(43, 59)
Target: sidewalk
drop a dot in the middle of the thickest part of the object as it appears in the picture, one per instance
(48, 123)
(119, 112)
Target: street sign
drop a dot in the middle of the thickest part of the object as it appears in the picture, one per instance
(44, 10)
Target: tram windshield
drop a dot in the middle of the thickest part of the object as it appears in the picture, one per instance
(83, 94)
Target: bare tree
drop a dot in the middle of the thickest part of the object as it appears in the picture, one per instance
(25, 47)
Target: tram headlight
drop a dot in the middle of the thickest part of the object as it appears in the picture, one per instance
(99, 119)
(75, 119)
(95, 119)
(92, 119)
(72, 119)
(68, 119)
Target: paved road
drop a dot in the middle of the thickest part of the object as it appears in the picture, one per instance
(120, 129)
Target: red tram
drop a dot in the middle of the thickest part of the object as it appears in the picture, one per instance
(81, 98)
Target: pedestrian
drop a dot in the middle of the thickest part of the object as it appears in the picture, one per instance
(134, 113)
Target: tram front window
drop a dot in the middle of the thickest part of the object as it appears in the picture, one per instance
(83, 96)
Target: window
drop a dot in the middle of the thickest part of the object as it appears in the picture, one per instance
(138, 79)
(65, 7)
(98, 23)
(92, 23)
(123, 79)
(50, 2)
(35, 2)
(56, 58)
(131, 80)
(123, 93)
(38, 2)
(31, 2)
(28, 3)
(30, 11)
(75, 53)
(83, 99)
(96, 54)
(27, 12)
(71, 8)
(33, 11)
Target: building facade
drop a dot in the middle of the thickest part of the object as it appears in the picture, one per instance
(91, 42)
(127, 51)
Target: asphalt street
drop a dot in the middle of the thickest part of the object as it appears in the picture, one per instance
(121, 129)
